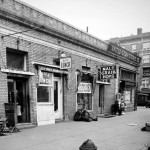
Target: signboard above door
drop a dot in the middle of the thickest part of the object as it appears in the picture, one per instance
(65, 63)
(108, 72)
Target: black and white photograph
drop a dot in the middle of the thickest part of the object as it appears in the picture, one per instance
(74, 74)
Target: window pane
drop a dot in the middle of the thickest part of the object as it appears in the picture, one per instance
(84, 100)
(133, 46)
(146, 59)
(146, 45)
(15, 60)
(43, 94)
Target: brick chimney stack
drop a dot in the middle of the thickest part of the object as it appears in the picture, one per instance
(139, 31)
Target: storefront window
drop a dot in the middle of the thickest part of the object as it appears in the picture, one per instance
(84, 93)
(84, 100)
(44, 94)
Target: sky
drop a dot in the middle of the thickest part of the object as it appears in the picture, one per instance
(105, 19)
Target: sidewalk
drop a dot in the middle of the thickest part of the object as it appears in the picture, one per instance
(115, 133)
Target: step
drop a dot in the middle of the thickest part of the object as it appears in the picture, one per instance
(21, 126)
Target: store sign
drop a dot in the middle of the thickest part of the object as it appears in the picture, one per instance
(123, 52)
(84, 87)
(65, 63)
(45, 78)
(130, 84)
(108, 72)
(146, 72)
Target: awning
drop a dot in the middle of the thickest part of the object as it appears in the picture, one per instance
(17, 72)
(50, 68)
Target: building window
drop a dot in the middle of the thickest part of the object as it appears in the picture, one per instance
(146, 45)
(133, 47)
(84, 100)
(16, 60)
(84, 93)
(145, 83)
(146, 59)
(44, 94)
(123, 46)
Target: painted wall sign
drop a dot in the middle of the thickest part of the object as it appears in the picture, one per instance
(65, 63)
(146, 72)
(84, 87)
(123, 52)
(45, 78)
(108, 72)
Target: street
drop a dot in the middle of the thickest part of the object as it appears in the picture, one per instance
(115, 133)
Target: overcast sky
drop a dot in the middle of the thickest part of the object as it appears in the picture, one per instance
(105, 18)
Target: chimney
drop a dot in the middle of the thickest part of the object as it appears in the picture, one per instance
(139, 31)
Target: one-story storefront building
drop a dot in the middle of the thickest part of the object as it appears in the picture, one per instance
(50, 69)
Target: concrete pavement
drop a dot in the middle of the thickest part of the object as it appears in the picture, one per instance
(116, 133)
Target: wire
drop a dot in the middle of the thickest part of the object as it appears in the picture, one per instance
(21, 32)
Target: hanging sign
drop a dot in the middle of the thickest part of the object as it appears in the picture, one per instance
(84, 87)
(45, 78)
(108, 72)
(65, 63)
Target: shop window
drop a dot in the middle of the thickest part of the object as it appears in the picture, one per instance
(84, 93)
(145, 83)
(16, 59)
(44, 94)
(84, 100)
(126, 75)
(146, 59)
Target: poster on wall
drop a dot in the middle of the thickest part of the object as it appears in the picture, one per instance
(84, 87)
(45, 78)
(127, 96)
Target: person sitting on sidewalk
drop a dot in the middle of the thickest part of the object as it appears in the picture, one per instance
(117, 108)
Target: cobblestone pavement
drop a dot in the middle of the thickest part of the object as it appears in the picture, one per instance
(115, 133)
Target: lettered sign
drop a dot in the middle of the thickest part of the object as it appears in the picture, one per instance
(65, 63)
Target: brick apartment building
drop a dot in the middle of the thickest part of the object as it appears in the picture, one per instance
(140, 45)
(49, 69)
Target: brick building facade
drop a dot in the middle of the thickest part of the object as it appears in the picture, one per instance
(49, 69)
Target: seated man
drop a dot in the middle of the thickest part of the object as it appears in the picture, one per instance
(117, 108)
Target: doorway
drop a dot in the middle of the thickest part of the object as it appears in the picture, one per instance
(58, 103)
(18, 98)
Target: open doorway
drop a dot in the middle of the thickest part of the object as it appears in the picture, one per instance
(18, 99)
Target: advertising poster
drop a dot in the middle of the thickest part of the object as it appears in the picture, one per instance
(84, 87)
(127, 96)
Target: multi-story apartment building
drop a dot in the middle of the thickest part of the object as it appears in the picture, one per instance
(139, 44)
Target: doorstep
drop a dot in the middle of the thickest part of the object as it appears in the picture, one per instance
(21, 126)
